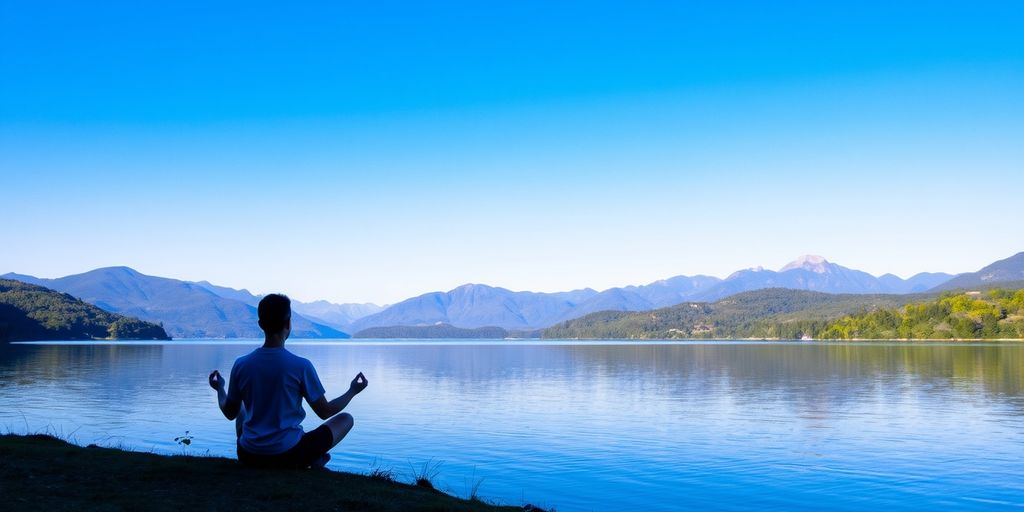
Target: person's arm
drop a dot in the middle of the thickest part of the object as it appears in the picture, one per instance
(228, 407)
(325, 409)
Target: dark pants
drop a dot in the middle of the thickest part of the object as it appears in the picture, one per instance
(313, 445)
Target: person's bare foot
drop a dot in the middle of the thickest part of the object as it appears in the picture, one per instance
(321, 463)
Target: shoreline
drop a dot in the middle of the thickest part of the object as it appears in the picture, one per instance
(495, 341)
(41, 472)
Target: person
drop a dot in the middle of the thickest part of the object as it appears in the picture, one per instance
(265, 398)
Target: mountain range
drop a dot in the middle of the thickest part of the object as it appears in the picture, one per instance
(202, 309)
(1010, 269)
(476, 305)
(815, 273)
(338, 316)
(186, 310)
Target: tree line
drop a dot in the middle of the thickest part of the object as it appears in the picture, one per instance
(794, 314)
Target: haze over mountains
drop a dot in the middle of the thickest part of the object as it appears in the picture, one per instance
(202, 309)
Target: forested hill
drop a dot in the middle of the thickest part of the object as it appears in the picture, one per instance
(791, 314)
(768, 313)
(29, 313)
(993, 314)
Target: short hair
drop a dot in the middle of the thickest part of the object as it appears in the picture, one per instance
(274, 311)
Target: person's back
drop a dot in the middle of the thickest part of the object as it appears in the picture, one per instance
(271, 383)
(266, 392)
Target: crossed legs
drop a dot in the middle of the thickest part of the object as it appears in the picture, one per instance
(340, 425)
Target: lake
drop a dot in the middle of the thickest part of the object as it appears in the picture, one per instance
(592, 426)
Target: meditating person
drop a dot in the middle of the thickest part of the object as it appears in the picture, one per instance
(265, 395)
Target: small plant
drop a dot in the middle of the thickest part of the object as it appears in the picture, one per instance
(424, 477)
(184, 441)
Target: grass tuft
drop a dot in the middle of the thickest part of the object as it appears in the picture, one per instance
(474, 488)
(378, 472)
(426, 474)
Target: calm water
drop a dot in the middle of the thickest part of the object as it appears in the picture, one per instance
(714, 426)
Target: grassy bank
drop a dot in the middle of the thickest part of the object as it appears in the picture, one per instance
(44, 473)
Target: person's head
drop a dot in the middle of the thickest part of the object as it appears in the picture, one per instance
(275, 311)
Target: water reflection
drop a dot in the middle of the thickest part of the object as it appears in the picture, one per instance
(44, 363)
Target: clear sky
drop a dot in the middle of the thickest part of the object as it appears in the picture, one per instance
(372, 151)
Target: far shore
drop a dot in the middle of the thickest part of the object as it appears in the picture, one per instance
(185, 341)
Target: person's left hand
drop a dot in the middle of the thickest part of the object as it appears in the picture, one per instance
(216, 381)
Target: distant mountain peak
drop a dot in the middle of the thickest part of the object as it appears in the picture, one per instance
(119, 269)
(814, 263)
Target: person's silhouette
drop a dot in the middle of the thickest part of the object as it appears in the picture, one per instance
(265, 396)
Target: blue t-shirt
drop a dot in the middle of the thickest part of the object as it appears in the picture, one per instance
(272, 382)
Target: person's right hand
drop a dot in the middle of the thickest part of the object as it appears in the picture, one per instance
(216, 381)
(359, 383)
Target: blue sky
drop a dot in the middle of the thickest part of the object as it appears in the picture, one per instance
(372, 151)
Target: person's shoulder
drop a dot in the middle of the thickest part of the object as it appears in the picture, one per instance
(303, 365)
(245, 358)
(303, 361)
(241, 362)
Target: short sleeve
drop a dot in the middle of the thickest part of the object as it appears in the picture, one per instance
(234, 394)
(312, 389)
